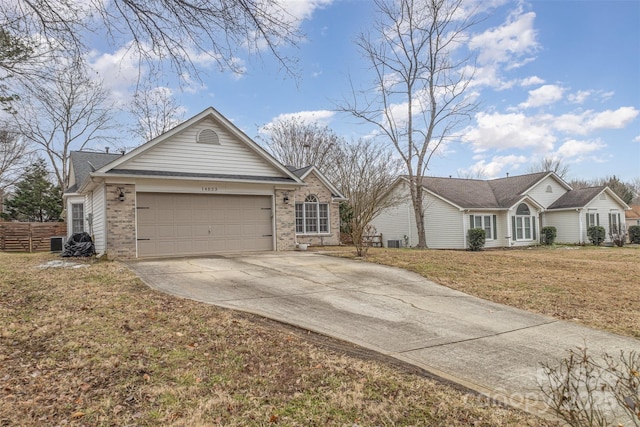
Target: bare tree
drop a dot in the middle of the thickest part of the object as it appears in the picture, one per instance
(15, 156)
(365, 173)
(550, 164)
(177, 31)
(417, 99)
(297, 143)
(155, 111)
(64, 114)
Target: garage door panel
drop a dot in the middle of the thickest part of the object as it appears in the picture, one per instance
(193, 224)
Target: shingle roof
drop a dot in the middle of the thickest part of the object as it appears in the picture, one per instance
(299, 172)
(499, 193)
(85, 162)
(576, 198)
(633, 213)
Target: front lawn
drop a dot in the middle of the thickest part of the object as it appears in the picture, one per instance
(595, 286)
(93, 346)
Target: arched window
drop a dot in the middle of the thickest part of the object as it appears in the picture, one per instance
(523, 223)
(312, 217)
(523, 209)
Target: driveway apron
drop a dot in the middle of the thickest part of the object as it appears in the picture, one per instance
(490, 348)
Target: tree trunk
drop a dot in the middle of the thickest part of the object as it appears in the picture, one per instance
(417, 195)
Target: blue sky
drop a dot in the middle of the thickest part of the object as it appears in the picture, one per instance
(555, 78)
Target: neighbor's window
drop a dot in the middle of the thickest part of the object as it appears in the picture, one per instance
(523, 223)
(77, 217)
(312, 217)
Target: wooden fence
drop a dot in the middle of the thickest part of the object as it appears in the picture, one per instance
(29, 236)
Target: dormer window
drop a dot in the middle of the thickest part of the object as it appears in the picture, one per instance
(208, 136)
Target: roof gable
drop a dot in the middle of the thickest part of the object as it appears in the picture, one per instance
(576, 199)
(303, 173)
(180, 151)
(85, 162)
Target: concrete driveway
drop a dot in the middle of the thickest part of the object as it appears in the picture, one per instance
(491, 348)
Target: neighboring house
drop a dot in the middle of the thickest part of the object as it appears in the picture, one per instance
(201, 188)
(511, 210)
(632, 216)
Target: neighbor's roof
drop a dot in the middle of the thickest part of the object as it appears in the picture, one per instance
(500, 193)
(633, 213)
(577, 198)
(85, 162)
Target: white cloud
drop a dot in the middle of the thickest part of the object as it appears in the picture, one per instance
(531, 81)
(300, 10)
(504, 44)
(589, 121)
(119, 71)
(580, 96)
(576, 148)
(317, 116)
(636, 139)
(503, 131)
(544, 95)
(494, 168)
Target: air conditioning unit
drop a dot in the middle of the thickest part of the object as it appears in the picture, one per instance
(57, 243)
(394, 244)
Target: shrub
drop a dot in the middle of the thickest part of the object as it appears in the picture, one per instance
(583, 390)
(548, 235)
(618, 235)
(477, 238)
(634, 234)
(596, 234)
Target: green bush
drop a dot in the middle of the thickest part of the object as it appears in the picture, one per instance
(477, 238)
(596, 234)
(634, 234)
(548, 235)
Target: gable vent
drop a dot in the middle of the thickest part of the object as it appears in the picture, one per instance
(208, 136)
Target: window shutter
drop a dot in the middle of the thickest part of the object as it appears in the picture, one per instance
(513, 229)
(610, 223)
(472, 224)
(587, 215)
(533, 226)
(597, 219)
(495, 229)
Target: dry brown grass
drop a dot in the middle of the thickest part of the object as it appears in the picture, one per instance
(93, 346)
(598, 287)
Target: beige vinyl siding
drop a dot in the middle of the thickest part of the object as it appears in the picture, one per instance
(396, 222)
(567, 224)
(539, 192)
(444, 224)
(181, 153)
(72, 200)
(98, 210)
(604, 208)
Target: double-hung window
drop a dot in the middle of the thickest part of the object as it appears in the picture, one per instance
(593, 218)
(487, 223)
(523, 223)
(614, 223)
(312, 217)
(77, 217)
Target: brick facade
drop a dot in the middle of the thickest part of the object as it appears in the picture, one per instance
(121, 221)
(285, 221)
(315, 186)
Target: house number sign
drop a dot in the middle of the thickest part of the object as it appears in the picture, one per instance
(210, 189)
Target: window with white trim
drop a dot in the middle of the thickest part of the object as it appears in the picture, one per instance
(312, 217)
(487, 223)
(593, 218)
(77, 217)
(523, 223)
(614, 222)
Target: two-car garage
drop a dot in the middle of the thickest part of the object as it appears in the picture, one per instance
(170, 224)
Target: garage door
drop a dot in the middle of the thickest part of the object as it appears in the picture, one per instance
(196, 224)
